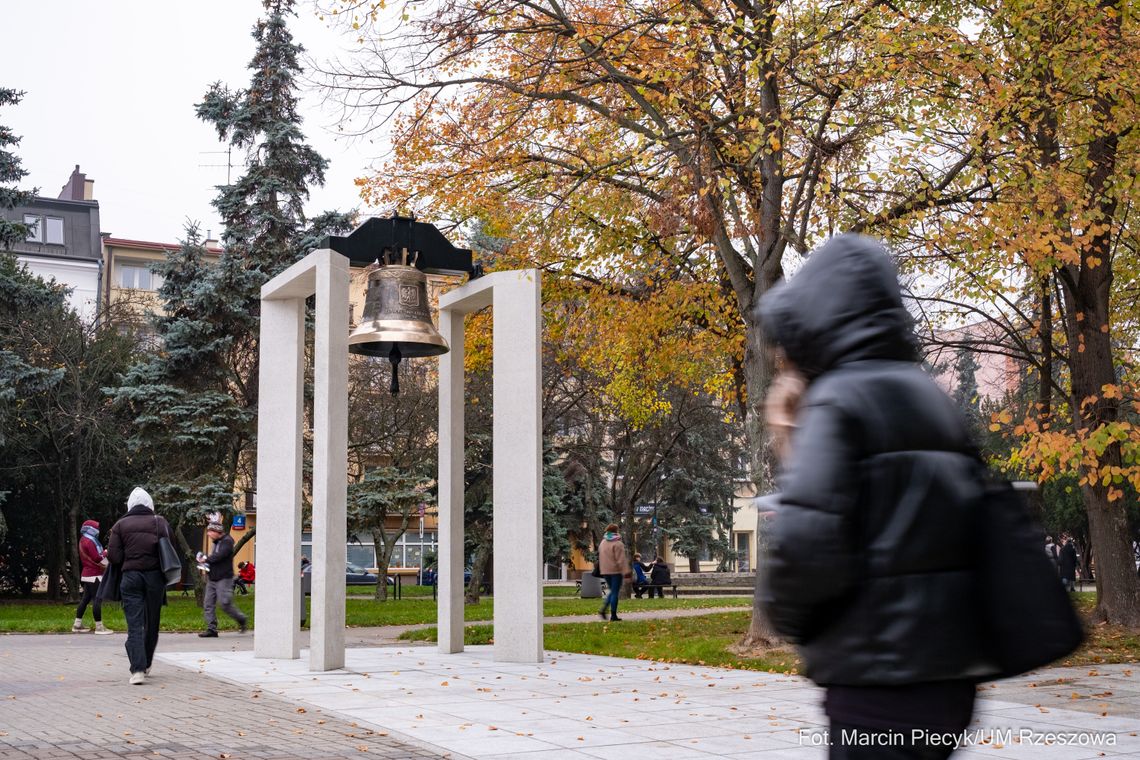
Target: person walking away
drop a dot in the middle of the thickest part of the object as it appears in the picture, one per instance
(614, 566)
(866, 573)
(220, 581)
(133, 546)
(659, 577)
(92, 559)
(640, 582)
(1067, 562)
(1053, 552)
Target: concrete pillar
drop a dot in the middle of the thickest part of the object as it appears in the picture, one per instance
(449, 606)
(280, 387)
(276, 605)
(330, 464)
(517, 363)
(518, 468)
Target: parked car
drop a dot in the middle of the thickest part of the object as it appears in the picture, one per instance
(353, 575)
(429, 575)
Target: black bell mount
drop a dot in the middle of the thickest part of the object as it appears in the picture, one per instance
(429, 250)
(396, 321)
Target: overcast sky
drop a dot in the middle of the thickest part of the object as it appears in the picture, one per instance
(112, 85)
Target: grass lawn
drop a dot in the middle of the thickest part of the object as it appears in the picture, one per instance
(1105, 643)
(183, 614)
(701, 640)
(705, 639)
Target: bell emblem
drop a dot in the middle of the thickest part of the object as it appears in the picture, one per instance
(396, 322)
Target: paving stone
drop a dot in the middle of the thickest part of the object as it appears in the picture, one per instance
(64, 697)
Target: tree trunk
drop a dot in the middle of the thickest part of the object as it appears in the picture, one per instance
(58, 548)
(383, 562)
(482, 557)
(694, 564)
(1092, 369)
(249, 534)
(74, 564)
(759, 369)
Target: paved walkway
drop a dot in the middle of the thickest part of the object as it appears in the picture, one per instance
(66, 696)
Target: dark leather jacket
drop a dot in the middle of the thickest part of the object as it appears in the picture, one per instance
(134, 539)
(869, 570)
(221, 559)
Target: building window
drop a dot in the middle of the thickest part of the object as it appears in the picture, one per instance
(44, 229)
(53, 230)
(35, 228)
(138, 277)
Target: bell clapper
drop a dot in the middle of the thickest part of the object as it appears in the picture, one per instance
(394, 356)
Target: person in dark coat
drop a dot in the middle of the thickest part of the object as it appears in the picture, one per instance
(219, 581)
(659, 578)
(134, 546)
(866, 572)
(1067, 562)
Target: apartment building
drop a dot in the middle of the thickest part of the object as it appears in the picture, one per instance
(62, 243)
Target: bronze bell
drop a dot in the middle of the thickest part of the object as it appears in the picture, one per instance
(396, 322)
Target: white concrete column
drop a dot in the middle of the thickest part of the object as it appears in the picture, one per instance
(449, 576)
(279, 459)
(517, 466)
(517, 365)
(330, 463)
(280, 378)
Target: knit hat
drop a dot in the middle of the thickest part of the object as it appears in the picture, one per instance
(91, 524)
(215, 526)
(139, 496)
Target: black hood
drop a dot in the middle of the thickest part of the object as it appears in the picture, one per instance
(843, 305)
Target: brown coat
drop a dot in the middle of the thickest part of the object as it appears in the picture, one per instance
(612, 559)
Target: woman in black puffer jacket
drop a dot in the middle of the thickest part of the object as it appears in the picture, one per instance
(869, 571)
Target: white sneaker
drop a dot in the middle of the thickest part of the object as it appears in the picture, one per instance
(100, 629)
(137, 678)
(78, 627)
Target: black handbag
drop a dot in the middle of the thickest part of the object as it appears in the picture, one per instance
(1029, 620)
(168, 560)
(109, 586)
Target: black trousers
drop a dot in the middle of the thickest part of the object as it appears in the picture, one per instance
(857, 743)
(90, 589)
(143, 592)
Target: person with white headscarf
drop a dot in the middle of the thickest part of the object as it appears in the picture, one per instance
(134, 546)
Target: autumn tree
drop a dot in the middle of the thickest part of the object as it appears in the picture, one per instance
(1050, 257)
(687, 142)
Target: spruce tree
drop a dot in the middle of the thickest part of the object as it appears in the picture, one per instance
(10, 172)
(966, 395)
(196, 399)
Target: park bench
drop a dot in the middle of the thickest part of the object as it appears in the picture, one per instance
(672, 584)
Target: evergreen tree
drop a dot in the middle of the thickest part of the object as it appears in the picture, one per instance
(196, 400)
(10, 172)
(264, 210)
(695, 499)
(966, 395)
(61, 443)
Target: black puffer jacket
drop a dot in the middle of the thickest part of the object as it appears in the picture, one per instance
(134, 539)
(869, 566)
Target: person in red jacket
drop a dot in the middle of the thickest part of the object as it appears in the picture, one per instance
(93, 558)
(246, 575)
